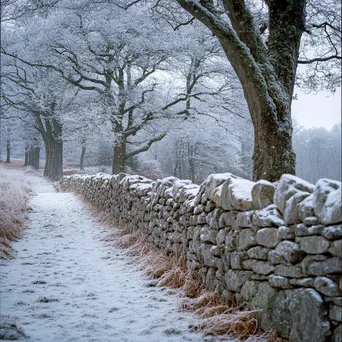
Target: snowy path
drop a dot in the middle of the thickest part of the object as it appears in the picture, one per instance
(66, 285)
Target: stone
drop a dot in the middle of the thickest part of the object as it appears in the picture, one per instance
(279, 282)
(268, 217)
(220, 237)
(336, 248)
(261, 267)
(289, 271)
(337, 335)
(327, 286)
(227, 219)
(199, 209)
(262, 194)
(310, 221)
(309, 317)
(272, 309)
(207, 257)
(290, 252)
(209, 206)
(286, 233)
(291, 213)
(335, 313)
(309, 259)
(236, 279)
(327, 201)
(249, 289)
(246, 239)
(236, 259)
(332, 232)
(306, 210)
(258, 252)
(287, 187)
(303, 282)
(302, 230)
(274, 258)
(202, 218)
(313, 244)
(329, 266)
(231, 240)
(267, 237)
(244, 219)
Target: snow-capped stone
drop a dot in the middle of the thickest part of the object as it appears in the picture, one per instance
(287, 187)
(268, 217)
(327, 200)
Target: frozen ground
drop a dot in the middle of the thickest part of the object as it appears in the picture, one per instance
(65, 284)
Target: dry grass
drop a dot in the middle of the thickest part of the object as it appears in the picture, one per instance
(13, 205)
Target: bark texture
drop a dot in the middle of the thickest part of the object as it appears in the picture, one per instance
(267, 73)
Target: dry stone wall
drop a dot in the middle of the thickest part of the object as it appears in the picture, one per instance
(277, 246)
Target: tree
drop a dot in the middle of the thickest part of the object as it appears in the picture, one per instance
(265, 68)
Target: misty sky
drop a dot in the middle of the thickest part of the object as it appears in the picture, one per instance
(320, 110)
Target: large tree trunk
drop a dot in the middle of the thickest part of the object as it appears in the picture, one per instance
(119, 159)
(8, 151)
(267, 73)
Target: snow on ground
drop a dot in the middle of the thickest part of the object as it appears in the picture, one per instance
(66, 285)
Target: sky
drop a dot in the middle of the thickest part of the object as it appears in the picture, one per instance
(317, 110)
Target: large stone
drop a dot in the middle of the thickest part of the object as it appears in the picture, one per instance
(289, 271)
(313, 244)
(327, 201)
(287, 187)
(329, 266)
(290, 252)
(207, 188)
(337, 336)
(272, 309)
(258, 252)
(291, 213)
(249, 289)
(309, 317)
(267, 237)
(236, 279)
(336, 248)
(306, 210)
(268, 217)
(303, 282)
(279, 282)
(335, 313)
(261, 267)
(234, 193)
(332, 232)
(246, 239)
(262, 194)
(327, 286)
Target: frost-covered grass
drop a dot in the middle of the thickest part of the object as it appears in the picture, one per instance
(14, 189)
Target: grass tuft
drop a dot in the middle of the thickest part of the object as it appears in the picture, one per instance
(13, 206)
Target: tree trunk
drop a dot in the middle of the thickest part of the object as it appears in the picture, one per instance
(267, 73)
(84, 147)
(119, 160)
(54, 159)
(36, 157)
(26, 154)
(8, 151)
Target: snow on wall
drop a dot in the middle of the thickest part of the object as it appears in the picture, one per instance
(277, 246)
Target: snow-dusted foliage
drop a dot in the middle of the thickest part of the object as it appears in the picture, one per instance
(14, 190)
